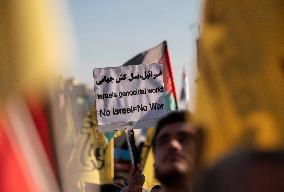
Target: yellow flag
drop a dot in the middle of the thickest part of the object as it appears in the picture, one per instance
(147, 161)
(150, 179)
(32, 44)
(240, 90)
(147, 146)
(92, 160)
(85, 157)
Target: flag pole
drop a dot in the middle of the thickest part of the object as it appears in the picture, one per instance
(129, 146)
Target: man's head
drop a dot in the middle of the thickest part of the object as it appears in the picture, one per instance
(174, 148)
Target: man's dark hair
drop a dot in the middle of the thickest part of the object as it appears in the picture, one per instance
(170, 118)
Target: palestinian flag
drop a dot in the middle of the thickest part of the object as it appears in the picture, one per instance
(159, 54)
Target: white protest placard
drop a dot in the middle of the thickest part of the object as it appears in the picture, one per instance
(129, 96)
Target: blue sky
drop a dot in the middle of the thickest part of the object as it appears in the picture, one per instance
(109, 32)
